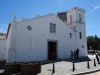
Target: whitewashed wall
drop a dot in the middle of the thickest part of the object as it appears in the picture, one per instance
(2, 49)
(40, 35)
(10, 44)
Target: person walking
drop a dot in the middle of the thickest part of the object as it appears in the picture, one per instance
(97, 58)
(77, 53)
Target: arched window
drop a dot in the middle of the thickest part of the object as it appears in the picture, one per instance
(80, 18)
(70, 19)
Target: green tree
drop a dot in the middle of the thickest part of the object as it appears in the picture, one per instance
(94, 42)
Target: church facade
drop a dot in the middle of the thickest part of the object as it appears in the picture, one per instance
(38, 38)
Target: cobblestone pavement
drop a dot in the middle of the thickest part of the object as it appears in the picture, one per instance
(65, 68)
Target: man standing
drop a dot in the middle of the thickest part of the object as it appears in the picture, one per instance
(97, 58)
(77, 53)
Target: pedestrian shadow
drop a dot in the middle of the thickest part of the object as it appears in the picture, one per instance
(80, 59)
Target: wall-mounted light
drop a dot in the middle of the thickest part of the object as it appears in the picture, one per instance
(29, 27)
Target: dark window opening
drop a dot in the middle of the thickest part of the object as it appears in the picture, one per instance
(70, 35)
(80, 34)
(82, 46)
(80, 18)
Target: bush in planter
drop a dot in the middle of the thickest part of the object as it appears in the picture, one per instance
(30, 68)
(12, 68)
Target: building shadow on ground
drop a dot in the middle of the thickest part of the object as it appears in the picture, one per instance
(75, 60)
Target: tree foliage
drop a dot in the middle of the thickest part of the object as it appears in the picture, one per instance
(93, 42)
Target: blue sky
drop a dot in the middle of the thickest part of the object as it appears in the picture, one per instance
(31, 8)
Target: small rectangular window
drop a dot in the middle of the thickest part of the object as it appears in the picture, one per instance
(52, 28)
(82, 46)
(80, 34)
(70, 35)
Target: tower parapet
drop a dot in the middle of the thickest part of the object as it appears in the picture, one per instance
(76, 8)
(76, 15)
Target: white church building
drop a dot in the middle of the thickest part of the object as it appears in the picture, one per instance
(37, 38)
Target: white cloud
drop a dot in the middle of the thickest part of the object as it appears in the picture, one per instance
(96, 8)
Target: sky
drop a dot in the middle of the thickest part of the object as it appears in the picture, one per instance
(32, 8)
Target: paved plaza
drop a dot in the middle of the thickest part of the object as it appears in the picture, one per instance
(65, 68)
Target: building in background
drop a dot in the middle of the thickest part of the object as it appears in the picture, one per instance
(2, 46)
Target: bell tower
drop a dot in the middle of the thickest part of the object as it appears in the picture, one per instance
(76, 21)
(76, 15)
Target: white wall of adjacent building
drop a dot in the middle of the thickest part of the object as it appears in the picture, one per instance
(2, 49)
